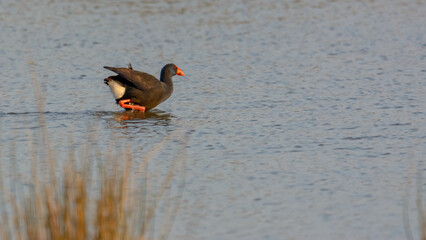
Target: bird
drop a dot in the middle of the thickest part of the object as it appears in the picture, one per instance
(139, 90)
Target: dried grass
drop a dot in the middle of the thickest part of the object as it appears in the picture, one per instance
(71, 210)
(421, 213)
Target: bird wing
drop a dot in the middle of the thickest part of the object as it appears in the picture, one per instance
(142, 81)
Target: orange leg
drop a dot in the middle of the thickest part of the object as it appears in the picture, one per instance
(124, 105)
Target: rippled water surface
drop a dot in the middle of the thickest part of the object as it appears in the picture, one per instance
(305, 119)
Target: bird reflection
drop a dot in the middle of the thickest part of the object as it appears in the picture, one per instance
(133, 115)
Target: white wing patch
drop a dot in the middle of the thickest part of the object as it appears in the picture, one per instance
(116, 88)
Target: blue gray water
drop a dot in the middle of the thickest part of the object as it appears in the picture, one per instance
(305, 119)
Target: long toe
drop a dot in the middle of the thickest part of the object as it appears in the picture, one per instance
(139, 108)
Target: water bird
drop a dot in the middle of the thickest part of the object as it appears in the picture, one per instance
(139, 90)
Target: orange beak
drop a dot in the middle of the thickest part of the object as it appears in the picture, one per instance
(179, 72)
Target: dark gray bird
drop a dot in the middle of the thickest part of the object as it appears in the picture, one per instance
(139, 90)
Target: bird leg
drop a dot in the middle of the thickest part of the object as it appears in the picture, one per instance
(123, 104)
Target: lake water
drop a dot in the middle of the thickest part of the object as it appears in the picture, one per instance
(304, 119)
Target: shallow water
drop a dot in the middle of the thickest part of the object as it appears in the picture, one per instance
(306, 119)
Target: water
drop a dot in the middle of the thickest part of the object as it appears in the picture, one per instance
(306, 120)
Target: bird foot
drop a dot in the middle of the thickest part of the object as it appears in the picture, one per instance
(123, 104)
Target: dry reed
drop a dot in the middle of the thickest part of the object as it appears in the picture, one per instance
(421, 211)
(421, 214)
(71, 210)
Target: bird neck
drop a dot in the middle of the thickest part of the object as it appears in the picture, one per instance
(166, 77)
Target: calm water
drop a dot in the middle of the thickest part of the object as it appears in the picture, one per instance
(306, 119)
